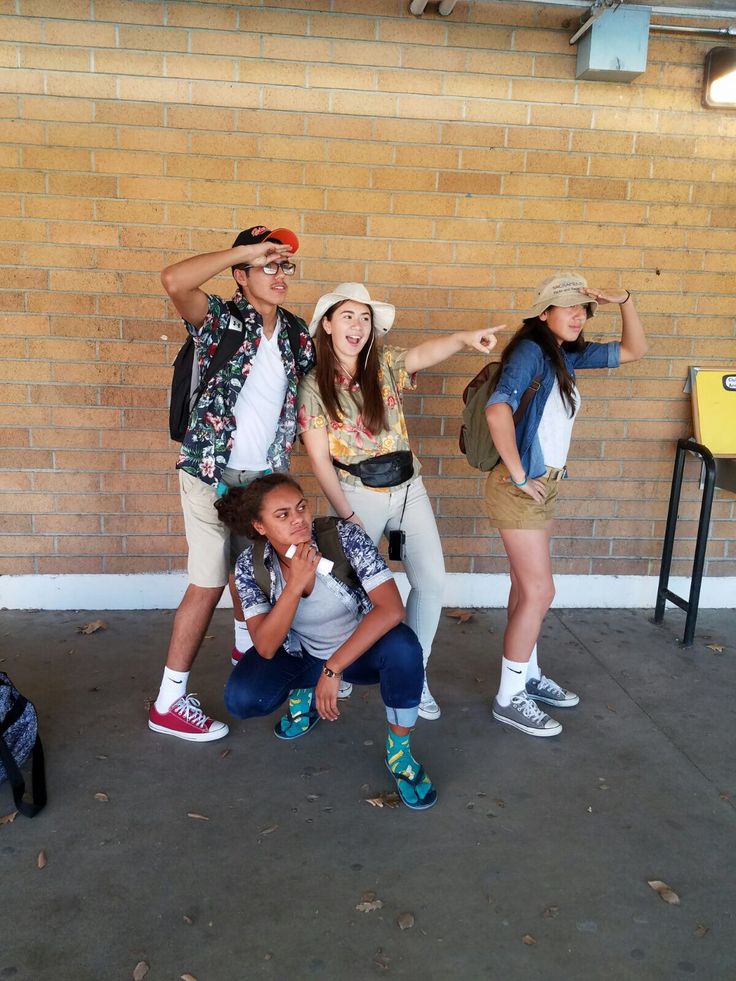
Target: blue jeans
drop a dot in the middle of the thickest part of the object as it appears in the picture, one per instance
(258, 686)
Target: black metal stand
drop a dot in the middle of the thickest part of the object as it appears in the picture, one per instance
(690, 606)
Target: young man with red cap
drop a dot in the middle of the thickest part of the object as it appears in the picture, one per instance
(242, 427)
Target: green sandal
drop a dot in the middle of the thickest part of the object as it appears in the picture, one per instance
(404, 782)
(289, 726)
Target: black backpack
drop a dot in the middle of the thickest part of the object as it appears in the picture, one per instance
(19, 740)
(329, 544)
(186, 385)
(475, 439)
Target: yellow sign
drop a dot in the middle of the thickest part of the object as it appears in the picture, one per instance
(714, 409)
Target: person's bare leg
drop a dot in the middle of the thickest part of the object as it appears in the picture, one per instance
(191, 621)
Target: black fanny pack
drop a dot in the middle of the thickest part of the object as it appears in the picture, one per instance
(386, 470)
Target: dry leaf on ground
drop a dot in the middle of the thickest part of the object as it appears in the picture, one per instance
(551, 912)
(665, 892)
(188, 920)
(369, 907)
(381, 959)
(700, 930)
(187, 977)
(197, 817)
(140, 971)
(93, 627)
(269, 830)
(405, 921)
(8, 818)
(101, 796)
(528, 939)
(209, 636)
(462, 616)
(224, 754)
(718, 648)
(41, 860)
(384, 799)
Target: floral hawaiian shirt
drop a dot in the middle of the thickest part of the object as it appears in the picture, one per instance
(209, 438)
(349, 439)
(362, 554)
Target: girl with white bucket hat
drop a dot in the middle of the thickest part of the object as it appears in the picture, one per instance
(352, 423)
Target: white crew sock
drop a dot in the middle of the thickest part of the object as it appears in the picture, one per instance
(243, 642)
(532, 669)
(513, 680)
(173, 686)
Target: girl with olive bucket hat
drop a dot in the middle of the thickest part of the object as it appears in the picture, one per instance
(541, 358)
(352, 424)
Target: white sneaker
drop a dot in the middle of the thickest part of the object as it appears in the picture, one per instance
(428, 708)
(345, 690)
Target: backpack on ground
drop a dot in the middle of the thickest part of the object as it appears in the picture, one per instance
(19, 740)
(329, 544)
(186, 385)
(475, 439)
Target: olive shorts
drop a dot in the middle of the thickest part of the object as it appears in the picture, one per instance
(510, 507)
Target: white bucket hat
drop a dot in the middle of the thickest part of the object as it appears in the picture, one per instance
(383, 313)
(562, 290)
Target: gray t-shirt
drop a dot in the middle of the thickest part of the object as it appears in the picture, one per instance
(322, 622)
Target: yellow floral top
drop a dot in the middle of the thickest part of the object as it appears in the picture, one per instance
(349, 440)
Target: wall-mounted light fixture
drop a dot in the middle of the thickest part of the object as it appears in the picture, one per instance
(719, 79)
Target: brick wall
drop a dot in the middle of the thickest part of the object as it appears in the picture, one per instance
(448, 163)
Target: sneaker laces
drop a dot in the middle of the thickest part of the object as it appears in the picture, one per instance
(188, 708)
(547, 684)
(528, 708)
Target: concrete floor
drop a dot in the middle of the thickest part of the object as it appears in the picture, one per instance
(554, 839)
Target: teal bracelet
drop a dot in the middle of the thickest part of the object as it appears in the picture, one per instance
(522, 484)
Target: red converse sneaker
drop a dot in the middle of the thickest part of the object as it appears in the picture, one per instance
(235, 656)
(186, 720)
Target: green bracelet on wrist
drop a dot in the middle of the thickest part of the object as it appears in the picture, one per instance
(526, 477)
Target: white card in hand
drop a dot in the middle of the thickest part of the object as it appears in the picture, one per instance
(324, 566)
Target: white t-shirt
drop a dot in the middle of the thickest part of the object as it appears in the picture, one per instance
(555, 428)
(258, 408)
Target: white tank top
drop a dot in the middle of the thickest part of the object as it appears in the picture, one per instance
(555, 428)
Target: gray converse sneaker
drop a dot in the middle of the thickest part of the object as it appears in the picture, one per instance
(523, 714)
(548, 691)
(428, 708)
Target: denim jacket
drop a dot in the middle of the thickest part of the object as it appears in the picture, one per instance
(529, 362)
(362, 554)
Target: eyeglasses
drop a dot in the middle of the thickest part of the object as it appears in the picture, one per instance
(271, 268)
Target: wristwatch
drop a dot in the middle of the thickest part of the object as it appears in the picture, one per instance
(330, 673)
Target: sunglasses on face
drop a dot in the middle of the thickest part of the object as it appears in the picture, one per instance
(271, 268)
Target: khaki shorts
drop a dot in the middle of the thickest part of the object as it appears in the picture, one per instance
(510, 507)
(212, 549)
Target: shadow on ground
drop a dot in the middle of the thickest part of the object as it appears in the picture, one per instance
(553, 840)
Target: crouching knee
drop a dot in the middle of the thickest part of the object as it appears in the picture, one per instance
(244, 703)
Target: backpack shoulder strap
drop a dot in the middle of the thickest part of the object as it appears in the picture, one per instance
(260, 572)
(330, 545)
(295, 328)
(229, 343)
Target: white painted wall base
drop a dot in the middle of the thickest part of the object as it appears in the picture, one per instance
(163, 592)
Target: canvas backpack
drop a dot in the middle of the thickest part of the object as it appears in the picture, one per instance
(19, 740)
(475, 439)
(186, 385)
(329, 544)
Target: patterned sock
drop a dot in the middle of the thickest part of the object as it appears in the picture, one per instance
(401, 761)
(296, 720)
